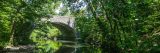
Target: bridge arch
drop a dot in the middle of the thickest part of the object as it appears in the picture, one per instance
(66, 26)
(67, 32)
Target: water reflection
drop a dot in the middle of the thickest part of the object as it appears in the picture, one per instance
(88, 50)
(54, 42)
(50, 46)
(75, 47)
(47, 46)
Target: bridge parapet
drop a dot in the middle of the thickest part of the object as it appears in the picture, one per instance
(63, 19)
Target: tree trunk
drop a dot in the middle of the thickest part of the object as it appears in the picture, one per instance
(12, 34)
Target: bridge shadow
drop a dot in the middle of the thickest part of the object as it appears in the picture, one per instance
(68, 33)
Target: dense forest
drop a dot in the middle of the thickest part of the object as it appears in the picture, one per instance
(100, 26)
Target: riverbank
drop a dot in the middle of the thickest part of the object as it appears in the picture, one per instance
(18, 49)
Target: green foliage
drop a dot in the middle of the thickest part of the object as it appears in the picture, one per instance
(44, 36)
(108, 26)
(89, 31)
(123, 25)
(4, 27)
(49, 46)
(18, 16)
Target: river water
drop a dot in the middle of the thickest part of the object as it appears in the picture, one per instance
(76, 47)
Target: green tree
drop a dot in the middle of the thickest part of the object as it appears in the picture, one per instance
(21, 15)
(124, 25)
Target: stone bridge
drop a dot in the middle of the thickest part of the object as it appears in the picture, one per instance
(68, 38)
(66, 25)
